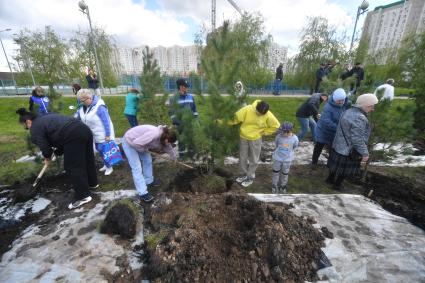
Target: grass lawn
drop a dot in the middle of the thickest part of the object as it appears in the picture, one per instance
(13, 141)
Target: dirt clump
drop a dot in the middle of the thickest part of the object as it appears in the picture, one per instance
(229, 237)
(121, 219)
(194, 181)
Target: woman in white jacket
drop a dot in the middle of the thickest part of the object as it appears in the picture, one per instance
(94, 114)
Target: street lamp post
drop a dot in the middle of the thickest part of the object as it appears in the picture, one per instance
(360, 11)
(85, 10)
(24, 57)
(7, 59)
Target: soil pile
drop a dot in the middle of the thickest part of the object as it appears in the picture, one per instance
(229, 237)
(121, 219)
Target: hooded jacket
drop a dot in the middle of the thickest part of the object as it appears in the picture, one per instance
(310, 107)
(254, 126)
(326, 126)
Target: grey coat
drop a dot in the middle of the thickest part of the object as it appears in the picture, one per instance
(355, 125)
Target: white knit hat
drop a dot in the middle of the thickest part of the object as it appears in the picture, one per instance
(366, 99)
(339, 94)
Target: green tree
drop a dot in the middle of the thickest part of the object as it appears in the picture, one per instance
(211, 137)
(246, 51)
(319, 43)
(45, 52)
(417, 71)
(154, 110)
(81, 56)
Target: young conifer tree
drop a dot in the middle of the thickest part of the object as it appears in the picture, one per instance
(210, 136)
(152, 108)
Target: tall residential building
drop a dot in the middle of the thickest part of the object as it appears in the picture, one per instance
(386, 26)
(180, 60)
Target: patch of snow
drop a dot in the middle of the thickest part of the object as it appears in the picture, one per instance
(304, 153)
(370, 244)
(17, 211)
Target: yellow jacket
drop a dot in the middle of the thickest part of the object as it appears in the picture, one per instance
(254, 126)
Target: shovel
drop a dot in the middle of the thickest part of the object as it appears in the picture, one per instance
(40, 175)
(169, 159)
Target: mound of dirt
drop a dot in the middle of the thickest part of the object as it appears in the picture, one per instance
(229, 237)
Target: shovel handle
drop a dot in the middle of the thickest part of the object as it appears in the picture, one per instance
(178, 162)
(40, 175)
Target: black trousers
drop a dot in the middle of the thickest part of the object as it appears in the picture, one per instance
(79, 160)
(318, 147)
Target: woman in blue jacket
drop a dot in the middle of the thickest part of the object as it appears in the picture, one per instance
(39, 100)
(326, 126)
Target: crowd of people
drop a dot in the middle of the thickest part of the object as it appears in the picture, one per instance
(341, 127)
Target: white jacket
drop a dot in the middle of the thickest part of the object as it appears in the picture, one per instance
(93, 121)
(388, 91)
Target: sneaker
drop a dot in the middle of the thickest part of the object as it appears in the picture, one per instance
(283, 190)
(109, 171)
(94, 187)
(274, 190)
(103, 168)
(248, 182)
(241, 179)
(80, 202)
(155, 183)
(146, 197)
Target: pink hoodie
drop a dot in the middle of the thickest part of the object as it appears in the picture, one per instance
(146, 137)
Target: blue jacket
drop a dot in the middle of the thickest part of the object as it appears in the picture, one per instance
(42, 103)
(177, 105)
(328, 122)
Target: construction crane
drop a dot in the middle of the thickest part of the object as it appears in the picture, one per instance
(213, 11)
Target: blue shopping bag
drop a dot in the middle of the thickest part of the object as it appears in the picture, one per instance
(111, 154)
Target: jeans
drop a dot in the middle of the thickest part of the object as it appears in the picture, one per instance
(132, 119)
(141, 167)
(277, 87)
(305, 123)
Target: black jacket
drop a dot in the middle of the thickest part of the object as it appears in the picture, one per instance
(49, 131)
(92, 82)
(310, 107)
(279, 73)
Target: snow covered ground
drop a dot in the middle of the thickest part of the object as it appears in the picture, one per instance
(370, 244)
(305, 150)
(69, 251)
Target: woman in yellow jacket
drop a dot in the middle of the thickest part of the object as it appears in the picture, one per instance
(256, 121)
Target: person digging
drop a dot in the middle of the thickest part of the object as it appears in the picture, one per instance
(256, 121)
(71, 138)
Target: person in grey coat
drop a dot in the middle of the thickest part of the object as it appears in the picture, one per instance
(349, 147)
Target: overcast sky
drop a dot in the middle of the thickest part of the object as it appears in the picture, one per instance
(169, 22)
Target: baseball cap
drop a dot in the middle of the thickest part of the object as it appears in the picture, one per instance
(182, 82)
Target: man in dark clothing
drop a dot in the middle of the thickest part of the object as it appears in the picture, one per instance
(323, 71)
(93, 82)
(358, 72)
(71, 138)
(179, 104)
(308, 113)
(278, 80)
